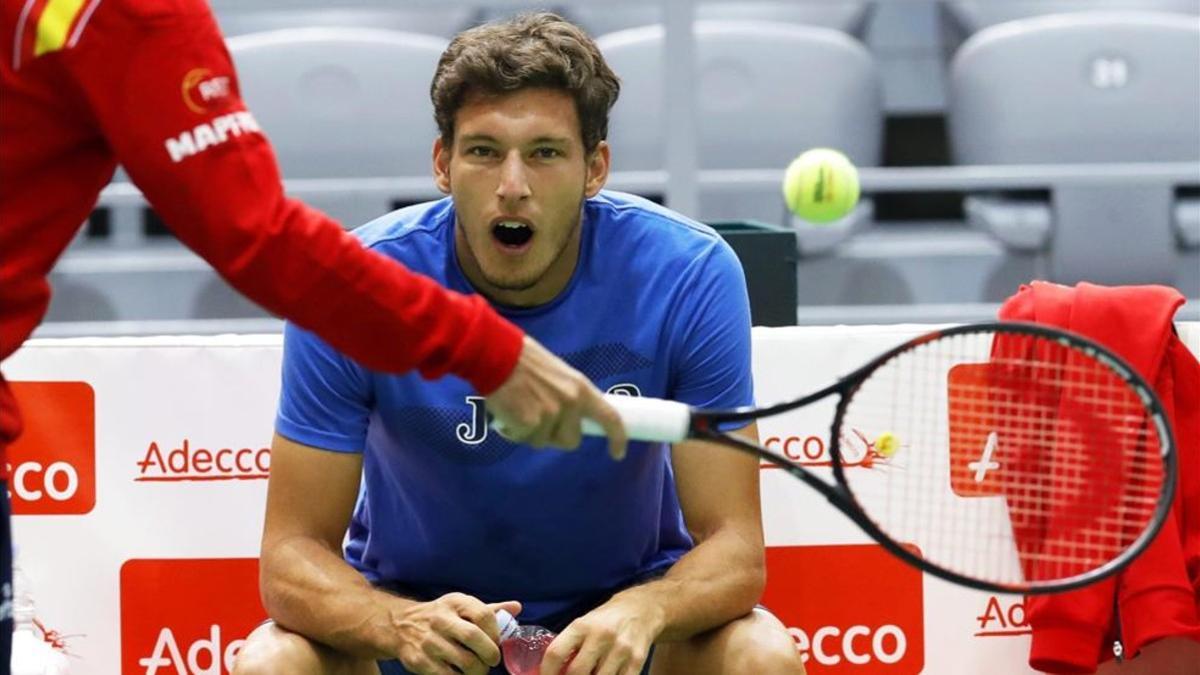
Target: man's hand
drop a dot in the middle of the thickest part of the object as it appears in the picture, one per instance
(456, 631)
(613, 639)
(543, 401)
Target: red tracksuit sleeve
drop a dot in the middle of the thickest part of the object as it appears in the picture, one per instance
(161, 84)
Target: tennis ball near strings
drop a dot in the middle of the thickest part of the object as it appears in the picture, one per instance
(887, 444)
(820, 185)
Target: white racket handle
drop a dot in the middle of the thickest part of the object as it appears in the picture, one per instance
(647, 419)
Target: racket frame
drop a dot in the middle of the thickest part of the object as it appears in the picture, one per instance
(703, 425)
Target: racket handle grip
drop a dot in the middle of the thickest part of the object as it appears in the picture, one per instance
(647, 419)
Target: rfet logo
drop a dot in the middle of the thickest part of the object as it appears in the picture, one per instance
(202, 90)
(850, 609)
(52, 465)
(187, 617)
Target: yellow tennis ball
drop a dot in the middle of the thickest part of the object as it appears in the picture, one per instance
(821, 185)
(887, 444)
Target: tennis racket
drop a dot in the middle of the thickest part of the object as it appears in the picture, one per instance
(1006, 457)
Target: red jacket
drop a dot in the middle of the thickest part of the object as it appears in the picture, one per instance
(1158, 595)
(85, 84)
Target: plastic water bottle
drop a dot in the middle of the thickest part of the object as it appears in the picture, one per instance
(31, 655)
(523, 646)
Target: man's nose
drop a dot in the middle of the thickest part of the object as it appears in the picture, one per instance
(514, 183)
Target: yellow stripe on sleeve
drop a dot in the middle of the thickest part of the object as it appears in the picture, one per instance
(54, 25)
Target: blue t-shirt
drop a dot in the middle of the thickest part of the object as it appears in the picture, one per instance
(656, 306)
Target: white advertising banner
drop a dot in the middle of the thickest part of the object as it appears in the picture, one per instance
(138, 493)
(144, 459)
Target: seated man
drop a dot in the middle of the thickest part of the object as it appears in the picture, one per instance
(648, 564)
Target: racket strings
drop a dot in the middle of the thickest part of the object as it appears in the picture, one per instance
(1024, 459)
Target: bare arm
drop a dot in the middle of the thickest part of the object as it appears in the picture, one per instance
(719, 580)
(309, 589)
(724, 575)
(306, 585)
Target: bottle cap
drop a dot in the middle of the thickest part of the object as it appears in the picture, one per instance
(508, 624)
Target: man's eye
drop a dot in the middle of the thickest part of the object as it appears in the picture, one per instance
(547, 153)
(479, 151)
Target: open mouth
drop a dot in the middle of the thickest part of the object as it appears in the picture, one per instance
(512, 233)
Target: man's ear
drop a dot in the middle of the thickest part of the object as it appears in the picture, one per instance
(597, 169)
(441, 165)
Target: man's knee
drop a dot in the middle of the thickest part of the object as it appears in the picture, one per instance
(756, 644)
(271, 650)
(767, 659)
(761, 645)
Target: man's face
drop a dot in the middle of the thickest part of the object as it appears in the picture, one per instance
(518, 174)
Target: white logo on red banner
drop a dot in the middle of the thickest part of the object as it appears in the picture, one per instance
(851, 609)
(52, 464)
(187, 617)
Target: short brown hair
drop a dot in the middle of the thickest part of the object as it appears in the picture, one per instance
(531, 50)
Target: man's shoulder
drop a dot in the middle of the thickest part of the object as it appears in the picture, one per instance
(411, 222)
(638, 229)
(638, 212)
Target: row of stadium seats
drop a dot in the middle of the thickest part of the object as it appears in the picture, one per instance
(1080, 88)
(1087, 88)
(353, 103)
(911, 39)
(960, 18)
(239, 18)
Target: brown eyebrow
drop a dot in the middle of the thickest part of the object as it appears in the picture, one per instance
(556, 140)
(478, 137)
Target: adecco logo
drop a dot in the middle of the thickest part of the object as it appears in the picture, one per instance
(52, 465)
(856, 449)
(187, 617)
(850, 609)
(187, 462)
(1003, 617)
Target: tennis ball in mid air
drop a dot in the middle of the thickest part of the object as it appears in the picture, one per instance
(887, 444)
(820, 185)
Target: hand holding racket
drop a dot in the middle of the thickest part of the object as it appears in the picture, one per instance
(1009, 457)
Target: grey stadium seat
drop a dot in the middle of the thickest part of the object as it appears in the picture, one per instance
(1096, 87)
(963, 18)
(848, 16)
(343, 103)
(78, 300)
(249, 17)
(765, 93)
